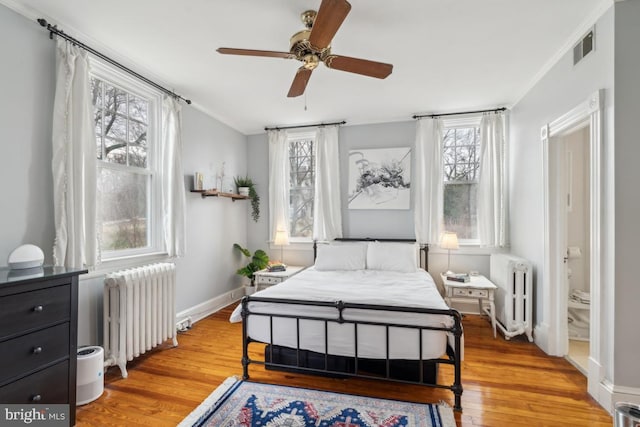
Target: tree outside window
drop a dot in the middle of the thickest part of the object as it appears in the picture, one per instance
(301, 187)
(121, 125)
(461, 151)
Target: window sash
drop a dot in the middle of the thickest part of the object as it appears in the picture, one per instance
(152, 172)
(461, 159)
(148, 216)
(302, 155)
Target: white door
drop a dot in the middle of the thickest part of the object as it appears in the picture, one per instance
(578, 250)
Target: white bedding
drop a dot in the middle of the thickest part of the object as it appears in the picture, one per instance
(360, 286)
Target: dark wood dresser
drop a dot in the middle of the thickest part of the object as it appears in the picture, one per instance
(38, 336)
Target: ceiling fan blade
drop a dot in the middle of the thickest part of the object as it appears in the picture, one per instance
(253, 52)
(299, 82)
(330, 16)
(365, 67)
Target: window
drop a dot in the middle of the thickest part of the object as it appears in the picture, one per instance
(125, 117)
(301, 185)
(461, 161)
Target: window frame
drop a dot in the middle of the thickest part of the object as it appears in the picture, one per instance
(155, 247)
(296, 136)
(462, 123)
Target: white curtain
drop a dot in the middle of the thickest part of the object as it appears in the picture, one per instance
(492, 190)
(74, 161)
(428, 184)
(278, 182)
(173, 192)
(327, 214)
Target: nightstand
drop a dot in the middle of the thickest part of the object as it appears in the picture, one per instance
(268, 278)
(479, 287)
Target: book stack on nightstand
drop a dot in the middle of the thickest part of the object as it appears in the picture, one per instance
(458, 277)
(278, 266)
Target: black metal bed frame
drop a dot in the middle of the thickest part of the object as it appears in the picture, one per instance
(452, 356)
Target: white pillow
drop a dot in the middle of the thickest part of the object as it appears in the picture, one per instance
(342, 256)
(401, 257)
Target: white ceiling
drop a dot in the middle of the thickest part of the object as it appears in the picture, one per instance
(448, 55)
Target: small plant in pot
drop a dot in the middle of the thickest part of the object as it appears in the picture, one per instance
(246, 187)
(259, 261)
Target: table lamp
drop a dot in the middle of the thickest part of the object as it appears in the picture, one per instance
(449, 241)
(281, 239)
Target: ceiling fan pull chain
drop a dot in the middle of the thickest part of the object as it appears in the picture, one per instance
(305, 101)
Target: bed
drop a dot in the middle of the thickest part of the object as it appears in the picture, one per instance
(365, 309)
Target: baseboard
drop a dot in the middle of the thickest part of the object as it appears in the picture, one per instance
(541, 336)
(204, 309)
(610, 394)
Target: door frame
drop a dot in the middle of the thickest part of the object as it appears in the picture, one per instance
(554, 297)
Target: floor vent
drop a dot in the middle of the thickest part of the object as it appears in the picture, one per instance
(583, 47)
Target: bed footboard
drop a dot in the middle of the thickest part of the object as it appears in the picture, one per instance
(423, 370)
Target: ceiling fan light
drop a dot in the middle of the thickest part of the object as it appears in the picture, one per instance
(311, 61)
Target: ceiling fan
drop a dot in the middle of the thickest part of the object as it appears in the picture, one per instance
(313, 45)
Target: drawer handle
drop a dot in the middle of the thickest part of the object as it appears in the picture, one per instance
(38, 308)
(36, 398)
(37, 350)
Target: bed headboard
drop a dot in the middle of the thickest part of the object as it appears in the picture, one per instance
(424, 247)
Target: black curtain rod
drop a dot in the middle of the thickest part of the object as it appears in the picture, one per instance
(495, 110)
(53, 29)
(306, 126)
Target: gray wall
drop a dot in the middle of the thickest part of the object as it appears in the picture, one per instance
(355, 223)
(375, 223)
(27, 87)
(561, 89)
(213, 224)
(258, 170)
(627, 202)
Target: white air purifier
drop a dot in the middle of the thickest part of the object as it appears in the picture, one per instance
(90, 378)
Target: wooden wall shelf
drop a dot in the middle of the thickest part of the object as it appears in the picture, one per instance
(215, 193)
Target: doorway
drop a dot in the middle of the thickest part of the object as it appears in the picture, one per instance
(578, 286)
(584, 123)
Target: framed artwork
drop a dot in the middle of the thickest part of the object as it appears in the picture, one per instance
(379, 178)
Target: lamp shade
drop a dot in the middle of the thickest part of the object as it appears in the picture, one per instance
(282, 238)
(449, 240)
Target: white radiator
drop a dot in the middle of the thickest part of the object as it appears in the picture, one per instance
(139, 312)
(514, 296)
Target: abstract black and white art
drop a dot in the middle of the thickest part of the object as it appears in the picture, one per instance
(379, 178)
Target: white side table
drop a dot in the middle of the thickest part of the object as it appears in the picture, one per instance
(268, 278)
(479, 287)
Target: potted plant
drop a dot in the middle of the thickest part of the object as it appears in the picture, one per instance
(259, 261)
(246, 187)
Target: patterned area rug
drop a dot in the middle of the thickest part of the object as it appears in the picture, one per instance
(245, 403)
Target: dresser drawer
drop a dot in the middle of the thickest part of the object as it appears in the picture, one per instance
(29, 352)
(31, 310)
(473, 293)
(50, 385)
(269, 280)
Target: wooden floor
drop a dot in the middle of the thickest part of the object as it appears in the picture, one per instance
(506, 383)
